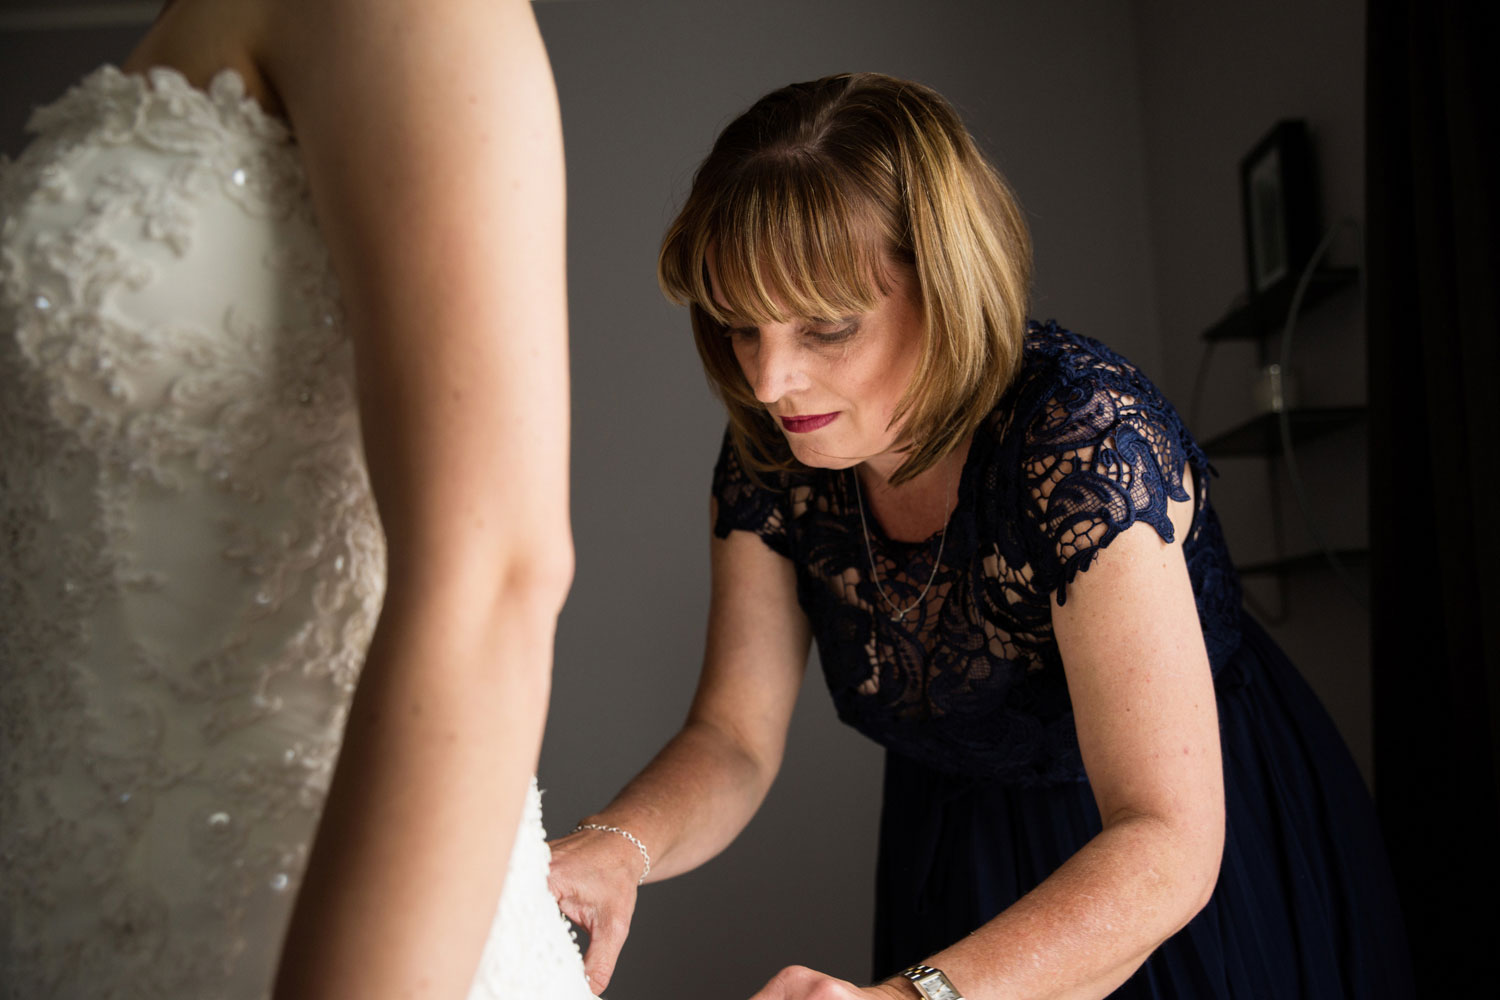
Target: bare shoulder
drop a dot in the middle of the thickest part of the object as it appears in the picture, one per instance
(301, 35)
(275, 45)
(200, 38)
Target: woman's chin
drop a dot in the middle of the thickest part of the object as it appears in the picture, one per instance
(810, 455)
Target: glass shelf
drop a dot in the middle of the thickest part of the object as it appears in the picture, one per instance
(1262, 435)
(1352, 558)
(1267, 314)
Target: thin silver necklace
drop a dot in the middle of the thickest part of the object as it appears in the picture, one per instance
(898, 615)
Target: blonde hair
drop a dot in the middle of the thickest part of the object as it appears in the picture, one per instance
(805, 201)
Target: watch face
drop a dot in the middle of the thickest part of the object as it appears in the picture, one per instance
(937, 987)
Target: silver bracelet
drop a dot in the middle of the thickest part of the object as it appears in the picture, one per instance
(628, 836)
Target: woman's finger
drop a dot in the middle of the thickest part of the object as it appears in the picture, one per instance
(606, 937)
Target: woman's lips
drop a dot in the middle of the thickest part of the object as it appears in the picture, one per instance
(801, 425)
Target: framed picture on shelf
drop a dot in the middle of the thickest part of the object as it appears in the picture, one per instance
(1278, 196)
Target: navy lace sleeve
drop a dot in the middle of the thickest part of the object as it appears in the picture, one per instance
(744, 505)
(1102, 450)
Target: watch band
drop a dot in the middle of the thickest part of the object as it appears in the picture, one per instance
(931, 983)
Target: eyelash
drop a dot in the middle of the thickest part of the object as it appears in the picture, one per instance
(831, 337)
(834, 336)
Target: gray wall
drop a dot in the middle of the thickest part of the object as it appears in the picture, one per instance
(38, 66)
(1120, 126)
(1214, 78)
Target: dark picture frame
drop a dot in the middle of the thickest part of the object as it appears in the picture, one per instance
(1279, 201)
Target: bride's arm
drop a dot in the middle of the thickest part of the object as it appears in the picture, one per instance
(430, 133)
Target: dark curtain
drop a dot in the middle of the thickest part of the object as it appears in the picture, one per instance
(1433, 246)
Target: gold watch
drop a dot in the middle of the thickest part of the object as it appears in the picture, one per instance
(931, 983)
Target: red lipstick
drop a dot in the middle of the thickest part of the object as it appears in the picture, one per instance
(802, 425)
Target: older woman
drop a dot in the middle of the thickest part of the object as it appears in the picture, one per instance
(1102, 777)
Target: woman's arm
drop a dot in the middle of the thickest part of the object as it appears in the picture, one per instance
(1147, 720)
(698, 793)
(430, 133)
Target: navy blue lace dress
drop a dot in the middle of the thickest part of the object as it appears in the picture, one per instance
(985, 790)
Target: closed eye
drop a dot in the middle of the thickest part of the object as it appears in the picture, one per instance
(823, 332)
(835, 336)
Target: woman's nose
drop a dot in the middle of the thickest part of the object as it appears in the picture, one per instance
(776, 369)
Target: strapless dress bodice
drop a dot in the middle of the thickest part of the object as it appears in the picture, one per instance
(191, 563)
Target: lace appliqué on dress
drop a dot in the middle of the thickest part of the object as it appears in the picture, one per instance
(532, 950)
(1104, 451)
(190, 560)
(1082, 447)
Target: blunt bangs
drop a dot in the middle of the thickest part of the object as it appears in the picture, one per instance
(804, 202)
(785, 240)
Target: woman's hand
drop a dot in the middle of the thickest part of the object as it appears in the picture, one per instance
(797, 982)
(594, 877)
(696, 796)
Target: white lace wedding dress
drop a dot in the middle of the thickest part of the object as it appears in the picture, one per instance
(190, 561)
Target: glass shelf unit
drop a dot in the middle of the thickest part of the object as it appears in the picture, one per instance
(1267, 314)
(1355, 559)
(1261, 436)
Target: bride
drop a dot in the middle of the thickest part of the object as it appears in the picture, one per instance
(283, 411)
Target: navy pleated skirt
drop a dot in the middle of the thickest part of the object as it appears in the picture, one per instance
(1304, 907)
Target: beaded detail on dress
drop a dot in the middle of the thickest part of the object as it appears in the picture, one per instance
(1081, 447)
(191, 563)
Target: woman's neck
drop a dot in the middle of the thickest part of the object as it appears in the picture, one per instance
(919, 507)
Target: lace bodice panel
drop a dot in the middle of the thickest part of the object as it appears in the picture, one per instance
(1081, 447)
(190, 560)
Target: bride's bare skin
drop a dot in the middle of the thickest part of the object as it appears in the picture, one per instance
(198, 38)
(430, 134)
